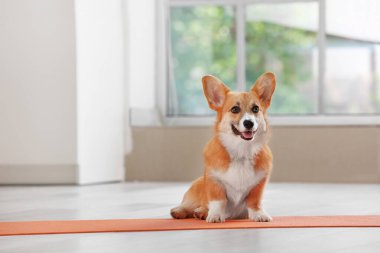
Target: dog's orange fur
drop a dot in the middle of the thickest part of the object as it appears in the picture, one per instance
(216, 157)
(263, 162)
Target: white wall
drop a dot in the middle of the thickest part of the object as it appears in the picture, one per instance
(37, 82)
(61, 91)
(100, 77)
(141, 20)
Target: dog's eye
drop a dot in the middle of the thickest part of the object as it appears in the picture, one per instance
(255, 109)
(235, 109)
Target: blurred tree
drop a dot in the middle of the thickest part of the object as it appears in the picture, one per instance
(202, 41)
(288, 52)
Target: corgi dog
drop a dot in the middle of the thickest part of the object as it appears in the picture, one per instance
(237, 160)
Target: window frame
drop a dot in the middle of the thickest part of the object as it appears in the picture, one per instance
(162, 71)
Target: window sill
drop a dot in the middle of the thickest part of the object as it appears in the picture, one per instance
(151, 117)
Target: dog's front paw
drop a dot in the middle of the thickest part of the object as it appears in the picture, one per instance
(258, 215)
(215, 218)
(216, 212)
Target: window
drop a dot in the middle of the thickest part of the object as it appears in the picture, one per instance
(352, 57)
(282, 38)
(202, 40)
(326, 54)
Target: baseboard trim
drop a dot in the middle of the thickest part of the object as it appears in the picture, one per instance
(39, 174)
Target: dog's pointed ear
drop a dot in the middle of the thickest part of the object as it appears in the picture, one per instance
(264, 87)
(215, 91)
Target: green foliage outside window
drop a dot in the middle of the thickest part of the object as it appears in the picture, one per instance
(288, 52)
(203, 41)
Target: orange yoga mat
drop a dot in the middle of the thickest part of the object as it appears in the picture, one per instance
(140, 225)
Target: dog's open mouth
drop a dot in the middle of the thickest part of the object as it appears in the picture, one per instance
(246, 135)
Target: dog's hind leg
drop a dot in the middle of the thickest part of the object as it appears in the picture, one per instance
(201, 213)
(192, 200)
(181, 212)
(186, 209)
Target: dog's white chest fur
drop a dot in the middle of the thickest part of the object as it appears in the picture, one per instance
(240, 177)
(238, 181)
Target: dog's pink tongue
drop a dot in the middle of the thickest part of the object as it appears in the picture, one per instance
(247, 135)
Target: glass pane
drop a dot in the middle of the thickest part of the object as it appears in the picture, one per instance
(352, 57)
(202, 41)
(282, 38)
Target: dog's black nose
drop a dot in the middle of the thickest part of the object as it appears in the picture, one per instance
(248, 124)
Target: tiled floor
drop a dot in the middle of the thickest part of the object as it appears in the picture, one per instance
(153, 200)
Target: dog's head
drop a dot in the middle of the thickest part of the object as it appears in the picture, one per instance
(240, 114)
